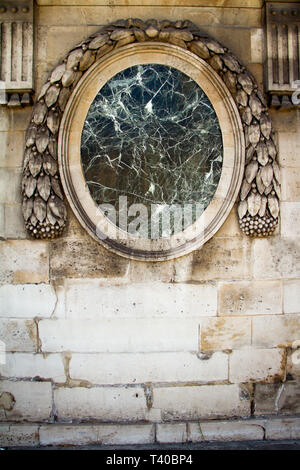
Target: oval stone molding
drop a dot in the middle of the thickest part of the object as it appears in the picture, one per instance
(69, 155)
(249, 167)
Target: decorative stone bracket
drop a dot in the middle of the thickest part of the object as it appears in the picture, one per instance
(283, 52)
(16, 68)
(43, 202)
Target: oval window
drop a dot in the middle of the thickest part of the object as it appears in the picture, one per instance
(152, 140)
(151, 151)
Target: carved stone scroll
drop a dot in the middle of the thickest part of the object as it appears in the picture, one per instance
(43, 206)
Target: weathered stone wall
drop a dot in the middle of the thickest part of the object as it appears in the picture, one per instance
(154, 350)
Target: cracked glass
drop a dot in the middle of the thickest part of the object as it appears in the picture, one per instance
(152, 135)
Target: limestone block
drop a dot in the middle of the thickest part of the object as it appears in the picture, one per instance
(74, 229)
(84, 258)
(19, 435)
(42, 68)
(155, 272)
(18, 335)
(101, 403)
(250, 298)
(12, 149)
(224, 16)
(293, 362)
(291, 296)
(4, 121)
(10, 185)
(225, 333)
(87, 434)
(285, 123)
(283, 428)
(276, 257)
(20, 117)
(265, 396)
(2, 221)
(234, 42)
(30, 401)
(231, 227)
(14, 120)
(234, 15)
(225, 431)
(275, 331)
(26, 365)
(257, 45)
(249, 15)
(290, 184)
(119, 335)
(27, 300)
(252, 365)
(277, 398)
(57, 16)
(93, 300)
(148, 367)
(257, 70)
(206, 401)
(226, 258)
(59, 40)
(14, 222)
(171, 433)
(176, 270)
(290, 219)
(288, 402)
(289, 145)
(24, 261)
(60, 306)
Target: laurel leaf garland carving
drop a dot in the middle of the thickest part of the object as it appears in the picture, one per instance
(35, 165)
(39, 209)
(262, 153)
(254, 202)
(242, 209)
(27, 207)
(43, 207)
(267, 175)
(42, 139)
(44, 186)
(273, 206)
(251, 171)
(55, 184)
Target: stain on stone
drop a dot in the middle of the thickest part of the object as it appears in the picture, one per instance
(289, 377)
(32, 331)
(245, 392)
(84, 258)
(66, 358)
(204, 355)
(148, 390)
(289, 401)
(72, 383)
(277, 256)
(265, 397)
(224, 258)
(7, 401)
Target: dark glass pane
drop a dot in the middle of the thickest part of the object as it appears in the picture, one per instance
(152, 135)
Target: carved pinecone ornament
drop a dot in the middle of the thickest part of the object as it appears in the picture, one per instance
(44, 209)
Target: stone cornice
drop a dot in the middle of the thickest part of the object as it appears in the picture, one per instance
(163, 3)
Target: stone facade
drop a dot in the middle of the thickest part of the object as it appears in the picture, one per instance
(103, 349)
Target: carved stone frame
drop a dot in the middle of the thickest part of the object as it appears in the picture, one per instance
(69, 156)
(43, 206)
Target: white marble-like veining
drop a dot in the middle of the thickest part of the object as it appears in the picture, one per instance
(151, 134)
